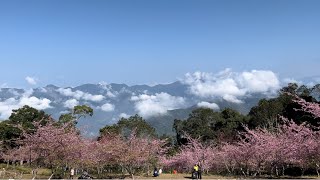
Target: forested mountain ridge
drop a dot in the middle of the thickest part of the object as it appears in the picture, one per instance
(159, 104)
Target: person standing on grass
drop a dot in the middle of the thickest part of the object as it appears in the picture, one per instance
(71, 173)
(199, 171)
(155, 172)
(195, 171)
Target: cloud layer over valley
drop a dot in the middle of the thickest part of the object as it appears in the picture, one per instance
(111, 101)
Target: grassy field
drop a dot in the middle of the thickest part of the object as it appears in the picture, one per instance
(21, 172)
(184, 176)
(163, 176)
(17, 175)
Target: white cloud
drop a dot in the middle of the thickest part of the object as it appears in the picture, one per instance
(95, 98)
(27, 93)
(259, 81)
(231, 98)
(64, 112)
(4, 85)
(124, 90)
(35, 102)
(43, 90)
(8, 105)
(71, 103)
(149, 105)
(80, 95)
(208, 85)
(107, 107)
(69, 92)
(231, 86)
(108, 88)
(31, 80)
(124, 115)
(111, 95)
(14, 92)
(104, 85)
(208, 105)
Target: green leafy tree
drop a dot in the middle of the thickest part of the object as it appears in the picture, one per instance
(66, 118)
(21, 119)
(290, 88)
(290, 111)
(197, 125)
(209, 125)
(229, 125)
(27, 115)
(8, 135)
(266, 113)
(80, 111)
(126, 126)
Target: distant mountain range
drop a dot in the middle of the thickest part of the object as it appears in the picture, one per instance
(112, 101)
(159, 104)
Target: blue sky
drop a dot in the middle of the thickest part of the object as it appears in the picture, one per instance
(141, 41)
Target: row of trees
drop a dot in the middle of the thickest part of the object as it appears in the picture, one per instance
(210, 125)
(224, 125)
(258, 152)
(277, 135)
(225, 142)
(57, 146)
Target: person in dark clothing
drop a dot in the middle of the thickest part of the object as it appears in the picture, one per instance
(85, 175)
(199, 171)
(155, 172)
(194, 174)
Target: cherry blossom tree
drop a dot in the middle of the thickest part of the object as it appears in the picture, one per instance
(311, 107)
(190, 154)
(134, 152)
(259, 149)
(50, 145)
